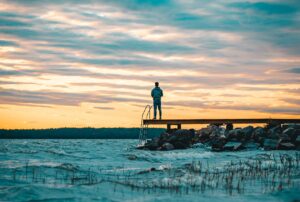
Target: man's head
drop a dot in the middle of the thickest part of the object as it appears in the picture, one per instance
(156, 84)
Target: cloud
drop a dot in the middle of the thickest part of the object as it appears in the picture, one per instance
(105, 108)
(71, 52)
(12, 23)
(11, 96)
(215, 105)
(292, 101)
(266, 7)
(7, 43)
(295, 70)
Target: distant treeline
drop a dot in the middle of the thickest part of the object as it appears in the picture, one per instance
(77, 133)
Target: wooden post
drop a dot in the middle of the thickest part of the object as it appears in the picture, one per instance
(229, 126)
(168, 127)
(178, 126)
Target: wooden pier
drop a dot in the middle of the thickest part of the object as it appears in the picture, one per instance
(179, 122)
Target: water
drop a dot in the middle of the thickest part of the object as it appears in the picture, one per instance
(113, 170)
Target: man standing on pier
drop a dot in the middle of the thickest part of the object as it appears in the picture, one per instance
(156, 94)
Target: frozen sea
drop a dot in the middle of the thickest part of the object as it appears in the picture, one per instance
(113, 170)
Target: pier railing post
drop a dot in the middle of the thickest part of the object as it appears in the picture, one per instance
(168, 127)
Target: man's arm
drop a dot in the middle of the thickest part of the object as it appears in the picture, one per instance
(152, 93)
(162, 93)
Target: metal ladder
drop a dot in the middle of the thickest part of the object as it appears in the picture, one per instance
(144, 127)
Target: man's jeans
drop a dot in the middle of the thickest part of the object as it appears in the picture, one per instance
(157, 104)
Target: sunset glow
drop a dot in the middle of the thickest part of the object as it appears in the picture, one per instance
(94, 64)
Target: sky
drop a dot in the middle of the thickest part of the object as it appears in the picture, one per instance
(93, 63)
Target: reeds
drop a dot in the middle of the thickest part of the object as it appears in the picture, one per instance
(268, 174)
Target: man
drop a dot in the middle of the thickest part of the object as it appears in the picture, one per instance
(156, 94)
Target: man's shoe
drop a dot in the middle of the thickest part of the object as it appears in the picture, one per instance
(154, 118)
(159, 118)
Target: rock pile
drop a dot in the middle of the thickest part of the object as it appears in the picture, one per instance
(270, 137)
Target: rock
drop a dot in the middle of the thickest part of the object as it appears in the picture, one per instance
(132, 157)
(271, 125)
(297, 141)
(172, 138)
(203, 134)
(230, 134)
(215, 133)
(204, 131)
(274, 132)
(184, 136)
(247, 132)
(270, 144)
(284, 138)
(259, 131)
(180, 145)
(151, 145)
(258, 135)
(289, 131)
(239, 134)
(297, 133)
(233, 146)
(291, 125)
(286, 146)
(163, 138)
(217, 144)
(234, 134)
(271, 137)
(251, 145)
(212, 128)
(179, 139)
(167, 146)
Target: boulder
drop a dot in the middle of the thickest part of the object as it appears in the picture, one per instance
(297, 133)
(151, 145)
(180, 145)
(271, 137)
(167, 146)
(163, 138)
(229, 126)
(297, 141)
(286, 146)
(270, 144)
(272, 125)
(289, 131)
(204, 131)
(235, 134)
(183, 132)
(259, 131)
(250, 145)
(259, 135)
(274, 132)
(284, 138)
(215, 133)
(239, 134)
(233, 146)
(213, 129)
(217, 144)
(184, 136)
(179, 139)
(247, 132)
(171, 139)
(203, 134)
(291, 125)
(230, 134)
